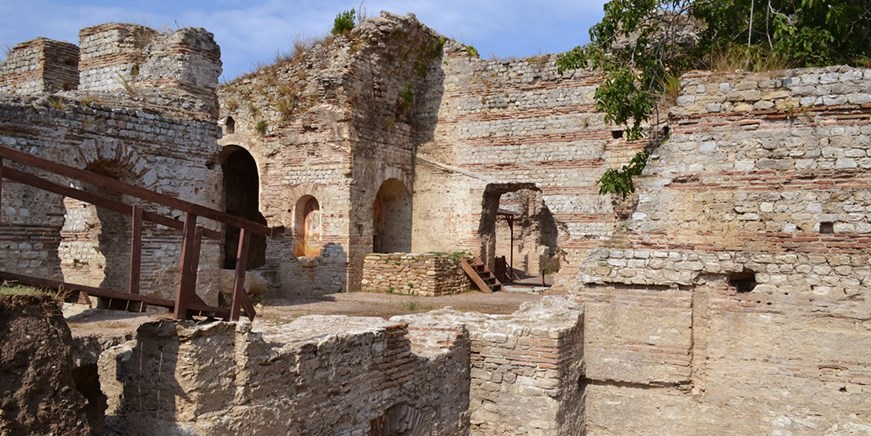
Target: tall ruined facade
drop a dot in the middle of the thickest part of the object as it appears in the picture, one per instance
(727, 296)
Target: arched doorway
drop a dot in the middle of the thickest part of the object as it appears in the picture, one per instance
(391, 218)
(307, 227)
(95, 242)
(242, 198)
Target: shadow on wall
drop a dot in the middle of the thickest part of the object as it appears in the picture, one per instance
(149, 394)
(391, 218)
(310, 279)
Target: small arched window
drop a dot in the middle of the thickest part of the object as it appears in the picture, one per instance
(307, 226)
(229, 125)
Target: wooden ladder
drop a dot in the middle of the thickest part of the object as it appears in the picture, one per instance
(481, 276)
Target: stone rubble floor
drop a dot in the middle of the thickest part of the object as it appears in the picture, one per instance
(92, 322)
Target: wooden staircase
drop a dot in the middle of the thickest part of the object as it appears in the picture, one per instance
(481, 275)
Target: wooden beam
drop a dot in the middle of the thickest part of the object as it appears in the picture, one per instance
(90, 290)
(96, 200)
(117, 186)
(136, 250)
(184, 263)
(241, 267)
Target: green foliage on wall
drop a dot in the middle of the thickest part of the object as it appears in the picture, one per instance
(641, 46)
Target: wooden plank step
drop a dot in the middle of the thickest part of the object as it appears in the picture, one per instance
(476, 279)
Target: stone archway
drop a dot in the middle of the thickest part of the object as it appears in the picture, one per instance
(242, 199)
(391, 218)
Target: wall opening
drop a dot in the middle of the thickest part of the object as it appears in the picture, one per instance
(518, 230)
(827, 228)
(307, 227)
(242, 199)
(743, 281)
(95, 242)
(87, 382)
(398, 420)
(229, 126)
(391, 218)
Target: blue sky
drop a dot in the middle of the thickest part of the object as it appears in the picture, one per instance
(253, 31)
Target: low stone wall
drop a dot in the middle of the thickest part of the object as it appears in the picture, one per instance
(525, 367)
(315, 375)
(414, 274)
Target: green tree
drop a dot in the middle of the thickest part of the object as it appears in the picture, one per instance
(344, 22)
(642, 46)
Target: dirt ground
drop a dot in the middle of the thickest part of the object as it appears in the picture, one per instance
(85, 321)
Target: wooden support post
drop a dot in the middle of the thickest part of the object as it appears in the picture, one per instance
(1, 187)
(182, 296)
(136, 250)
(195, 264)
(241, 266)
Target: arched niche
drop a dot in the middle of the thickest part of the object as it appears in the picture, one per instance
(242, 199)
(391, 218)
(307, 227)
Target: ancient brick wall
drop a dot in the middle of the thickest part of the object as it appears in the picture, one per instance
(525, 368)
(335, 121)
(316, 375)
(131, 136)
(40, 65)
(741, 274)
(414, 274)
(507, 126)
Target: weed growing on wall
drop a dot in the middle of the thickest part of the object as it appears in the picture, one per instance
(344, 22)
(261, 127)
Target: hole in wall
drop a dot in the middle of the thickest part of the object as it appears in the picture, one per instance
(398, 420)
(87, 382)
(617, 134)
(744, 281)
(827, 228)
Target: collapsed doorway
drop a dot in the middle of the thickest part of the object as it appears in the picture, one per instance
(391, 218)
(242, 199)
(518, 233)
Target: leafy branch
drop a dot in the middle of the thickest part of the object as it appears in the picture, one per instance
(642, 46)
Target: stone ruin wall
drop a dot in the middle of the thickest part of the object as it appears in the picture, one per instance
(40, 65)
(340, 118)
(127, 134)
(755, 163)
(429, 274)
(525, 368)
(507, 126)
(303, 151)
(315, 375)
